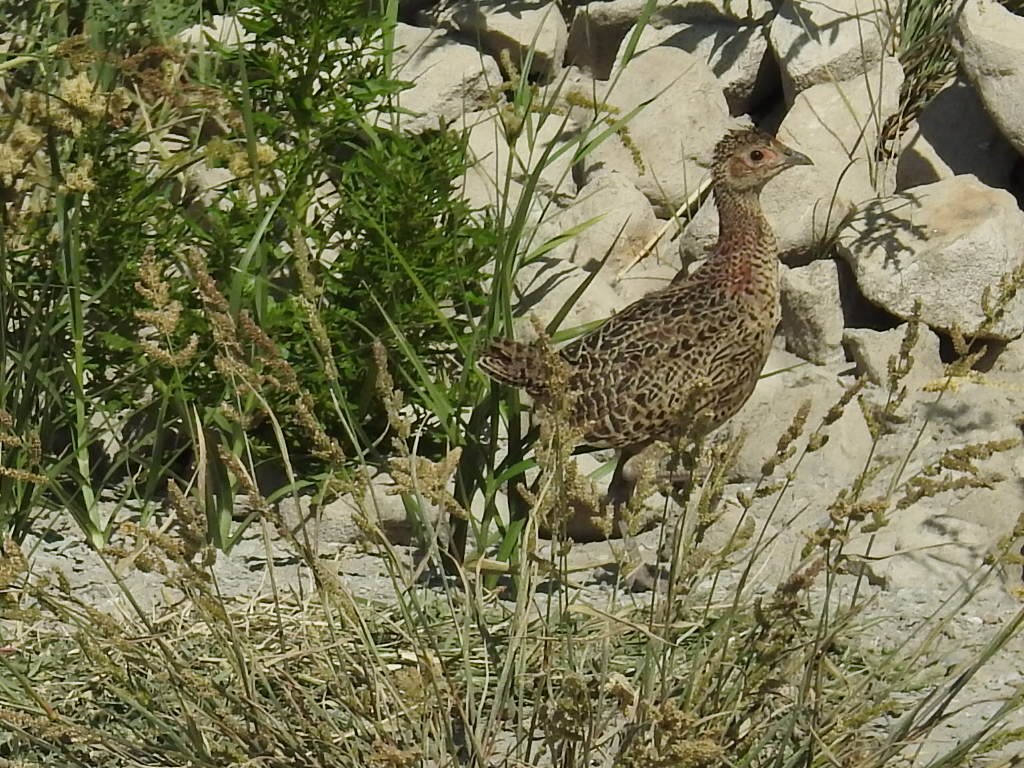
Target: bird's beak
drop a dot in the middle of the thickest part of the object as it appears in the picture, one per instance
(792, 157)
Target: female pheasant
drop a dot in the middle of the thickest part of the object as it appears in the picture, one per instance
(682, 360)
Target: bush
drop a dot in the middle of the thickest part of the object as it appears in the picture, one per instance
(189, 237)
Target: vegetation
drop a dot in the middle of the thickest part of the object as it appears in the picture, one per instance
(190, 246)
(232, 290)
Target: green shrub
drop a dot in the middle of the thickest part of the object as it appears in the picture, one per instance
(150, 305)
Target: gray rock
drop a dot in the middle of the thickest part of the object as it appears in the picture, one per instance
(1010, 359)
(652, 274)
(615, 222)
(695, 11)
(382, 507)
(942, 244)
(953, 531)
(223, 30)
(990, 43)
(511, 28)
(545, 284)
(209, 184)
(812, 313)
(872, 350)
(954, 135)
(596, 32)
(837, 126)
(786, 382)
(827, 42)
(598, 29)
(448, 78)
(930, 545)
(681, 115)
(333, 526)
(485, 181)
(610, 214)
(737, 53)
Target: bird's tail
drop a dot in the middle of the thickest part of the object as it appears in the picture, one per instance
(516, 364)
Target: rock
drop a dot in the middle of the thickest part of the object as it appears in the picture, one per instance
(827, 42)
(512, 28)
(681, 115)
(615, 222)
(737, 53)
(651, 274)
(973, 410)
(545, 284)
(448, 78)
(837, 127)
(747, 11)
(598, 29)
(596, 32)
(382, 506)
(611, 213)
(952, 136)
(942, 244)
(872, 350)
(787, 381)
(88, 574)
(954, 529)
(924, 543)
(209, 184)
(812, 313)
(972, 413)
(485, 180)
(335, 525)
(990, 43)
(223, 30)
(1010, 359)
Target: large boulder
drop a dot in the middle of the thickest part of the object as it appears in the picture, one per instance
(598, 29)
(512, 28)
(735, 51)
(954, 135)
(872, 350)
(839, 126)
(990, 42)
(680, 114)
(448, 78)
(604, 227)
(547, 285)
(819, 41)
(785, 384)
(498, 174)
(221, 30)
(944, 245)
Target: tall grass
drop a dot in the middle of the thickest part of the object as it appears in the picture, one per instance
(923, 31)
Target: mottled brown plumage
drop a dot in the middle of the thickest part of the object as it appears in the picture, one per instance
(682, 360)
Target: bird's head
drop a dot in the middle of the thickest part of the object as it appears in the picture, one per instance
(746, 159)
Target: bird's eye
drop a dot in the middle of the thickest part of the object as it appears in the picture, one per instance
(757, 155)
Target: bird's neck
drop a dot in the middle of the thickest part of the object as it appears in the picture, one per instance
(740, 218)
(746, 255)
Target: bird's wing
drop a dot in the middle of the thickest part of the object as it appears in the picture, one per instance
(654, 366)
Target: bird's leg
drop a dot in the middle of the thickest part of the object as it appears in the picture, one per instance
(620, 489)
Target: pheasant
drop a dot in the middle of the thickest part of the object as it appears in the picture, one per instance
(682, 360)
